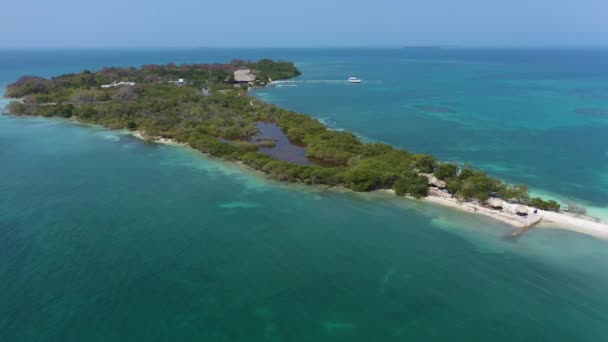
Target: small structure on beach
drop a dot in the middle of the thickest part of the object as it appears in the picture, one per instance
(521, 210)
(244, 76)
(495, 203)
(436, 182)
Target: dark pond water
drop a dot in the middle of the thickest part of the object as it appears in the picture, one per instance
(284, 149)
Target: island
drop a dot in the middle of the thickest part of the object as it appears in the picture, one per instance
(208, 107)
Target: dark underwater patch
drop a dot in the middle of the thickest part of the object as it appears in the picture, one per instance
(436, 109)
(592, 111)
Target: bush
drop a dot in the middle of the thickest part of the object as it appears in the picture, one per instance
(256, 160)
(86, 96)
(517, 192)
(332, 146)
(479, 186)
(28, 85)
(425, 163)
(539, 203)
(454, 185)
(330, 176)
(410, 183)
(445, 171)
(18, 108)
(85, 112)
(362, 180)
(127, 93)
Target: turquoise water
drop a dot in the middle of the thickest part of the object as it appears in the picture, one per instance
(104, 237)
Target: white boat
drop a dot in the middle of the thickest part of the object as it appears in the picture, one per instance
(354, 80)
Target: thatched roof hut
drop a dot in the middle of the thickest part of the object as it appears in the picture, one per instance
(244, 76)
(521, 210)
(436, 182)
(495, 203)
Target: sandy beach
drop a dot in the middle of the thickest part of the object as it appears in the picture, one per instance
(507, 214)
(541, 219)
(158, 140)
(580, 224)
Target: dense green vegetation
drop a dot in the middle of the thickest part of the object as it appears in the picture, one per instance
(217, 117)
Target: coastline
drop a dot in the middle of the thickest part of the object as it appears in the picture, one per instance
(542, 219)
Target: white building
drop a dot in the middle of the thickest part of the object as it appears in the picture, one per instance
(118, 84)
(179, 82)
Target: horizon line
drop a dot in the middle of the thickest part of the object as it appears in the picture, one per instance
(362, 46)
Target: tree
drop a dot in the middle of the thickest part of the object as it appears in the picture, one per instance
(479, 186)
(539, 203)
(361, 180)
(126, 93)
(86, 96)
(425, 163)
(27, 85)
(516, 192)
(411, 183)
(445, 171)
(85, 112)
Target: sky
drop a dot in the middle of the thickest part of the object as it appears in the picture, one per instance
(302, 23)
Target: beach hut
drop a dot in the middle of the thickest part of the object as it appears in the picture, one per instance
(244, 76)
(495, 203)
(521, 210)
(436, 182)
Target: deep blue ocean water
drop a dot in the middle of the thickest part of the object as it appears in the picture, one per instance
(104, 237)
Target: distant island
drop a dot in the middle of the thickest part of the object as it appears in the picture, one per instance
(208, 108)
(424, 47)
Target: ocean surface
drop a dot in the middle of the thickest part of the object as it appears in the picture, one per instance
(107, 238)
